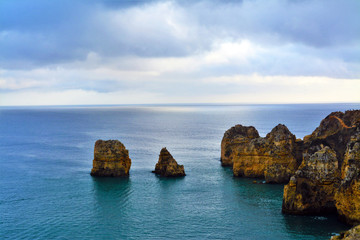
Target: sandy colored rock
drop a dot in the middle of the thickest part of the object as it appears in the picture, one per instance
(235, 136)
(327, 179)
(167, 165)
(312, 189)
(111, 159)
(352, 234)
(334, 131)
(274, 157)
(348, 195)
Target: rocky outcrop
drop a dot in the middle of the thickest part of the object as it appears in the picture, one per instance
(235, 137)
(348, 194)
(312, 189)
(167, 165)
(111, 159)
(352, 234)
(327, 180)
(274, 157)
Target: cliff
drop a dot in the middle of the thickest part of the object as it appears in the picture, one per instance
(328, 178)
(348, 194)
(111, 159)
(233, 138)
(274, 157)
(312, 189)
(167, 165)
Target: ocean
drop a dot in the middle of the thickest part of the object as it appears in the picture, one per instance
(47, 192)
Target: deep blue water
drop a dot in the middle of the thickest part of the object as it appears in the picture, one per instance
(47, 193)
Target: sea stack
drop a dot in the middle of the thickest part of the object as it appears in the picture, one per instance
(111, 159)
(167, 165)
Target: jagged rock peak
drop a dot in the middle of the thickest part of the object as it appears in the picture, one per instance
(280, 133)
(167, 165)
(111, 159)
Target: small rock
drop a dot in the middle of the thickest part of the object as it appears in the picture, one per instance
(167, 165)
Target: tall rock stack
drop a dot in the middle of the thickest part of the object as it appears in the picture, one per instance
(167, 165)
(111, 159)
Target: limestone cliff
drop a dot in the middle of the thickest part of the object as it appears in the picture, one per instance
(274, 157)
(167, 165)
(111, 159)
(235, 136)
(327, 179)
(312, 189)
(348, 195)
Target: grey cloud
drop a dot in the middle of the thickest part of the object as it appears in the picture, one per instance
(41, 33)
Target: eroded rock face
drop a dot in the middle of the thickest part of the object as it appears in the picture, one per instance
(334, 131)
(235, 136)
(328, 177)
(167, 165)
(312, 189)
(352, 234)
(348, 195)
(274, 157)
(111, 159)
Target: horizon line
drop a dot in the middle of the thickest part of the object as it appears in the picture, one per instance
(172, 104)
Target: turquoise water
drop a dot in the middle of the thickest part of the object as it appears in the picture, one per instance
(47, 193)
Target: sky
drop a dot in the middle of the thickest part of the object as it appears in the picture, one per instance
(74, 52)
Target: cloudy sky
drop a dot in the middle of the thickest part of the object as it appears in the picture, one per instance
(63, 52)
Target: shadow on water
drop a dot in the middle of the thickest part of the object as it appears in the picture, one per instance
(315, 226)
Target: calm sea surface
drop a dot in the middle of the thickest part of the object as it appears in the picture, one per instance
(46, 191)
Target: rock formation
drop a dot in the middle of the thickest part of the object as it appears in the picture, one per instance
(347, 196)
(328, 178)
(167, 165)
(312, 189)
(324, 169)
(352, 234)
(111, 159)
(235, 137)
(274, 157)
